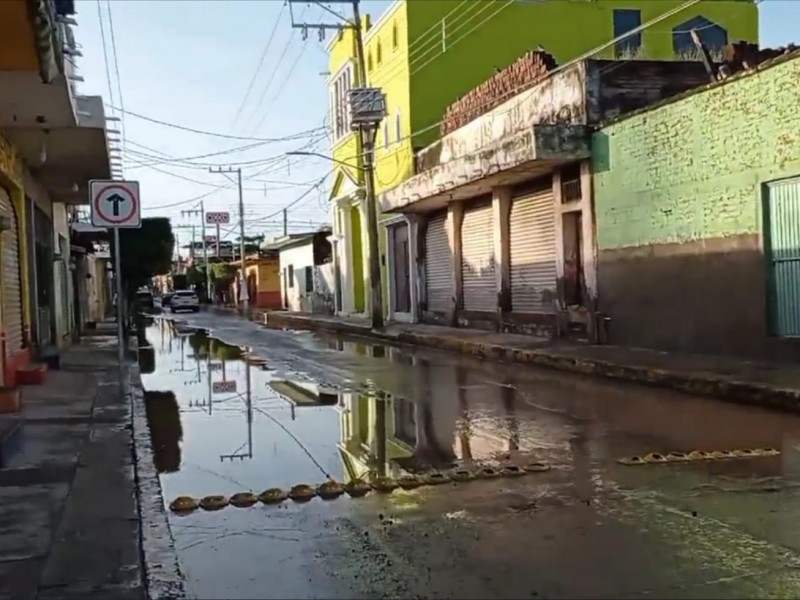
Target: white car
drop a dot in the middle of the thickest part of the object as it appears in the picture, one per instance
(184, 300)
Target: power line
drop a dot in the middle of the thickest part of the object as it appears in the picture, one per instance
(287, 138)
(116, 70)
(297, 200)
(274, 72)
(585, 56)
(283, 86)
(260, 64)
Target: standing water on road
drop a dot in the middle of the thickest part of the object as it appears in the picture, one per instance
(538, 502)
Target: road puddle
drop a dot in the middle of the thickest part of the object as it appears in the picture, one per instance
(451, 451)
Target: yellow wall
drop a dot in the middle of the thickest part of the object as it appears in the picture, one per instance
(269, 276)
(394, 159)
(266, 273)
(347, 149)
(16, 33)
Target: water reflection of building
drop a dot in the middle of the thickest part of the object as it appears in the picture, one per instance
(432, 426)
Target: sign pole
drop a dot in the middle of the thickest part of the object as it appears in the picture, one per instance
(120, 311)
(115, 204)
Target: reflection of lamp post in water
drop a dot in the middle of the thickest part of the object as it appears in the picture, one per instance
(380, 433)
(508, 394)
(249, 413)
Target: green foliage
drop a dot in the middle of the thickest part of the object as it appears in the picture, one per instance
(223, 272)
(195, 276)
(146, 252)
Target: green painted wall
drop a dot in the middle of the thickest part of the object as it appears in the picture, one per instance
(447, 61)
(692, 169)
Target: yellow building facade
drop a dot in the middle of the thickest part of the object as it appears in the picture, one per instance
(426, 54)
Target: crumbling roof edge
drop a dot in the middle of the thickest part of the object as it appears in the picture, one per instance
(760, 68)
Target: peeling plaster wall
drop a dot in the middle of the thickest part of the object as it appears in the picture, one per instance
(557, 99)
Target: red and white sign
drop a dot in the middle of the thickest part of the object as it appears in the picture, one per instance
(218, 218)
(115, 203)
(223, 387)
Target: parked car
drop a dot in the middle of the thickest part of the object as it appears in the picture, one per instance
(184, 300)
(144, 298)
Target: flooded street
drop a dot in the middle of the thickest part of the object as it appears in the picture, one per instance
(234, 407)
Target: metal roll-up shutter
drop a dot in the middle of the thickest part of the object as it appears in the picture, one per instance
(11, 285)
(478, 261)
(532, 233)
(438, 266)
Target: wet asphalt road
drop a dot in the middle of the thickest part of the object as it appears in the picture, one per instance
(588, 528)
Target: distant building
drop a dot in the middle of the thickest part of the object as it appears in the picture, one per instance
(306, 271)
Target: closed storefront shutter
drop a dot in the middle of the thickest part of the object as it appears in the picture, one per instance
(11, 285)
(478, 261)
(533, 252)
(438, 266)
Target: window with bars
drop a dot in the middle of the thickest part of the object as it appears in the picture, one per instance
(340, 113)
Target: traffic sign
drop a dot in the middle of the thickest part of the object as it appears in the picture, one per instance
(115, 203)
(223, 387)
(218, 218)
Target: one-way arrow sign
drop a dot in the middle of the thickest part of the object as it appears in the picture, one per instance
(115, 203)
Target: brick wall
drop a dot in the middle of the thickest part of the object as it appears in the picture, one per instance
(519, 76)
(677, 193)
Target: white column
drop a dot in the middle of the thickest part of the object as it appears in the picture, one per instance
(413, 276)
(345, 250)
(362, 211)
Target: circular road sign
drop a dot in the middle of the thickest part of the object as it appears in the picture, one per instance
(116, 204)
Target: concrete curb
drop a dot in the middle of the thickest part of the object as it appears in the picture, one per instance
(698, 383)
(162, 573)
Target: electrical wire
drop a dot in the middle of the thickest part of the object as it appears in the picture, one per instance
(297, 200)
(585, 56)
(116, 70)
(274, 72)
(286, 138)
(283, 86)
(260, 64)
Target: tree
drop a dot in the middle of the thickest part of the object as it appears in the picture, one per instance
(195, 276)
(146, 252)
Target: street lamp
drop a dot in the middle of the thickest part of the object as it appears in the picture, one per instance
(326, 157)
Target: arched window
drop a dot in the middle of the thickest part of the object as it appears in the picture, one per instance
(385, 133)
(369, 61)
(379, 52)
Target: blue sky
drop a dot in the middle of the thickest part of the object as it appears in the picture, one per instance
(190, 62)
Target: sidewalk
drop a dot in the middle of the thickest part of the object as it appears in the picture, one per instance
(772, 385)
(69, 524)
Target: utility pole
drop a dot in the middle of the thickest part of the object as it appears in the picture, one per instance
(367, 110)
(285, 222)
(244, 293)
(202, 213)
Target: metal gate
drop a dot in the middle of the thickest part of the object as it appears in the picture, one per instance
(438, 266)
(11, 284)
(532, 235)
(478, 260)
(783, 236)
